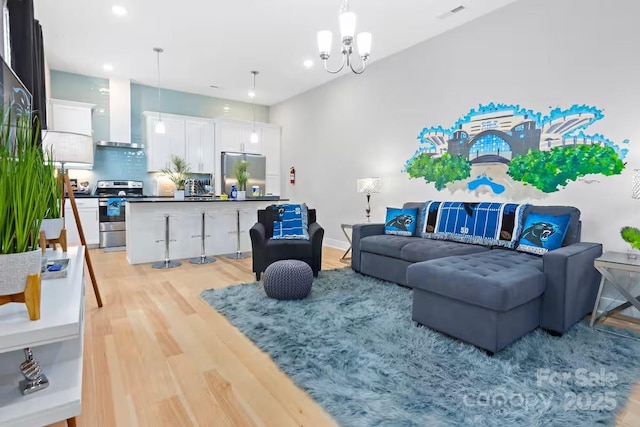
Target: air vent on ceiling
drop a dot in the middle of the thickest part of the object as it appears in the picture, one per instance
(448, 13)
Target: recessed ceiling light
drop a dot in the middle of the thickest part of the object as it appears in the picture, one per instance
(308, 63)
(107, 67)
(226, 108)
(119, 10)
(252, 94)
(213, 86)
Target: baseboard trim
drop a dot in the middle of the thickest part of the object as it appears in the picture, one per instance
(338, 244)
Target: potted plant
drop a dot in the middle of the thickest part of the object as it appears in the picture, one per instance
(23, 204)
(631, 235)
(178, 174)
(53, 223)
(242, 176)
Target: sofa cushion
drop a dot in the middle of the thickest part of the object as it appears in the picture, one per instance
(573, 233)
(543, 233)
(385, 244)
(491, 282)
(426, 249)
(401, 222)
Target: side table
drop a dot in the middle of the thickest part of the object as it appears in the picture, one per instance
(344, 228)
(605, 264)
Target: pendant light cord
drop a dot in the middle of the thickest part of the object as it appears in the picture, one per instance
(254, 100)
(159, 51)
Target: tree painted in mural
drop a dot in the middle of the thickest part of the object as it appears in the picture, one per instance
(545, 152)
(551, 170)
(439, 170)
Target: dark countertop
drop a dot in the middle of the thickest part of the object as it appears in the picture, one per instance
(148, 199)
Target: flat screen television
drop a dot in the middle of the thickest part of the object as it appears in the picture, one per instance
(14, 94)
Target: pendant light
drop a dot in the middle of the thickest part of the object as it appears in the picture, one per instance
(254, 135)
(160, 128)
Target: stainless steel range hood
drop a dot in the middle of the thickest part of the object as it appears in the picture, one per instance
(120, 116)
(119, 144)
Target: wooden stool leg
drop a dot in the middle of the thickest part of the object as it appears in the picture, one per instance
(71, 422)
(32, 296)
(43, 242)
(63, 239)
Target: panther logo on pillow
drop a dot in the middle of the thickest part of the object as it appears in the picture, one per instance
(539, 232)
(401, 222)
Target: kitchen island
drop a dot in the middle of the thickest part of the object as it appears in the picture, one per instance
(146, 226)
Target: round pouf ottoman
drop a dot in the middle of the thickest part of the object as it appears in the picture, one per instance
(288, 279)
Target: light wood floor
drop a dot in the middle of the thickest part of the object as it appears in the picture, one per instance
(157, 355)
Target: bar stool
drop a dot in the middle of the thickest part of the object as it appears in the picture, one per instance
(238, 253)
(203, 258)
(167, 263)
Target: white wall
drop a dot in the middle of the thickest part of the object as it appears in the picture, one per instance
(535, 53)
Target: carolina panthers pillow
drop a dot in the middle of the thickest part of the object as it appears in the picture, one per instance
(401, 222)
(542, 233)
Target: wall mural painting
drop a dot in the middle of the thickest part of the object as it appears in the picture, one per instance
(509, 150)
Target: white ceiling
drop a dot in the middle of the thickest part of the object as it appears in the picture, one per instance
(213, 42)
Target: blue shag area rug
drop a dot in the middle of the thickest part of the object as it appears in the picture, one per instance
(353, 347)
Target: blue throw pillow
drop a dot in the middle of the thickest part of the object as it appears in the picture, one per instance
(290, 222)
(542, 233)
(401, 222)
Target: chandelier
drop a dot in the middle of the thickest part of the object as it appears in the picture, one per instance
(347, 30)
(160, 128)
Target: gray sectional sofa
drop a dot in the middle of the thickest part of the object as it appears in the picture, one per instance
(486, 296)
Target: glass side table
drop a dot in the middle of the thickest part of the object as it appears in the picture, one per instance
(605, 264)
(346, 227)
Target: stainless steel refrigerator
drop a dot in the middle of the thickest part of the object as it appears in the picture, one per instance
(257, 168)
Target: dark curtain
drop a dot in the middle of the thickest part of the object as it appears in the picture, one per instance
(27, 53)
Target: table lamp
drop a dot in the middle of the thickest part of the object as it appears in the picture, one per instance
(369, 186)
(72, 150)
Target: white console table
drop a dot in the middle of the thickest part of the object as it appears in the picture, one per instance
(56, 341)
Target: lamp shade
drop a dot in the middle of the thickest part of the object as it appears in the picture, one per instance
(73, 149)
(369, 185)
(635, 192)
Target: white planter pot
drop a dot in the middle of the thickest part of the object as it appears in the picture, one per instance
(52, 227)
(179, 195)
(242, 195)
(15, 268)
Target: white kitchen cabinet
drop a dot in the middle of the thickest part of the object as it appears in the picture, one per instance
(56, 341)
(162, 146)
(70, 116)
(89, 218)
(199, 145)
(271, 150)
(235, 136)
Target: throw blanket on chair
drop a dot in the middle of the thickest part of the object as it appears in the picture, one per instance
(488, 224)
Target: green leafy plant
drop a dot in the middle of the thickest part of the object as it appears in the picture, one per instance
(631, 235)
(551, 170)
(439, 170)
(24, 190)
(179, 172)
(54, 186)
(241, 174)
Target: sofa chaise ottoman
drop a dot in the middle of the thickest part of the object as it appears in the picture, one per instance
(484, 295)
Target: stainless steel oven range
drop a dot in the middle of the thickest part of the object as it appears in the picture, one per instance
(112, 202)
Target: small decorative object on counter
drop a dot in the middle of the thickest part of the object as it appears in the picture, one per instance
(234, 193)
(34, 378)
(255, 191)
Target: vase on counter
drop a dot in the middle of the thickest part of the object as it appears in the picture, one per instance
(178, 195)
(242, 195)
(234, 192)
